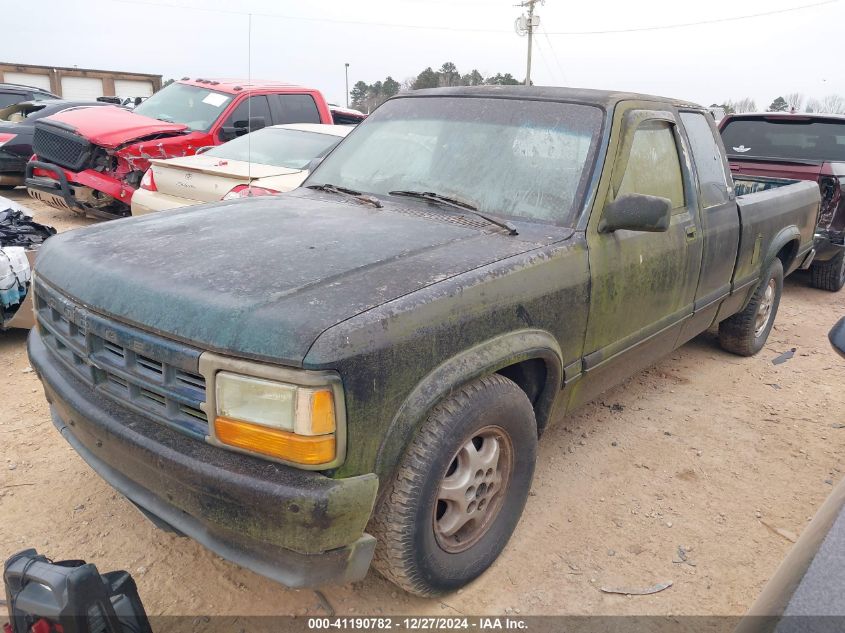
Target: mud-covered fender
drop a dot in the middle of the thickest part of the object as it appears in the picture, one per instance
(482, 359)
(784, 237)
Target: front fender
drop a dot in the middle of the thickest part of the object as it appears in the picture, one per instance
(479, 360)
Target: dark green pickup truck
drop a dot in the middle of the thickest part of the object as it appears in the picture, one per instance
(359, 371)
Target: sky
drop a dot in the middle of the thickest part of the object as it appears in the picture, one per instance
(308, 43)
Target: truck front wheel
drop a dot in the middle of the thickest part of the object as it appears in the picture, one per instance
(459, 489)
(829, 275)
(746, 332)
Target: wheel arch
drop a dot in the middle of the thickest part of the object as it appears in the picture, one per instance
(517, 355)
(784, 246)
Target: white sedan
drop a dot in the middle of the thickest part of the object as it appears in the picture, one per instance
(272, 160)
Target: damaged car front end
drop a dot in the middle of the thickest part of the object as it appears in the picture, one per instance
(96, 176)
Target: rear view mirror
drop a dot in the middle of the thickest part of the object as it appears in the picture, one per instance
(637, 212)
(837, 337)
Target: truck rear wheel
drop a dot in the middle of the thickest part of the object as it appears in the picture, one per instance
(829, 275)
(459, 490)
(746, 332)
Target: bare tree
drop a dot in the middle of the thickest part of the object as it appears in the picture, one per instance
(814, 105)
(833, 104)
(795, 101)
(407, 84)
(743, 105)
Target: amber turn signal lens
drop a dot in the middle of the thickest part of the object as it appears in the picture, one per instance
(322, 413)
(310, 450)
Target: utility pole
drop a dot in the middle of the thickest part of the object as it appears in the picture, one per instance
(526, 25)
(347, 85)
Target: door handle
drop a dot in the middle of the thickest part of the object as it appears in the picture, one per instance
(690, 231)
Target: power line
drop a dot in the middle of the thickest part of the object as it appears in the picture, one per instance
(165, 5)
(543, 59)
(423, 27)
(554, 55)
(683, 25)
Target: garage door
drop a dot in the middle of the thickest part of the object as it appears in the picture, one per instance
(124, 88)
(25, 79)
(81, 88)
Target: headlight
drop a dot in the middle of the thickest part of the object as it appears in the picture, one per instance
(284, 421)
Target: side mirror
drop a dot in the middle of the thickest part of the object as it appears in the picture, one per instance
(837, 337)
(313, 163)
(637, 212)
(256, 123)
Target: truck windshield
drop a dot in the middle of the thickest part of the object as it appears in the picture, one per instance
(520, 159)
(277, 146)
(800, 139)
(198, 108)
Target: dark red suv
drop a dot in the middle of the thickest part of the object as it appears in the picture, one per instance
(802, 147)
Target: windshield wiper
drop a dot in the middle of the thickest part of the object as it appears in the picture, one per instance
(458, 204)
(351, 193)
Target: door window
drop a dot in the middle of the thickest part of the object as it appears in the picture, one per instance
(253, 107)
(654, 168)
(10, 98)
(295, 109)
(708, 160)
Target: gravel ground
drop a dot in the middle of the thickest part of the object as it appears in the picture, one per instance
(724, 457)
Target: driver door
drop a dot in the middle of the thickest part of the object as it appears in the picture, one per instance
(643, 284)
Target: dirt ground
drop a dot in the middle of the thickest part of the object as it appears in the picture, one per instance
(726, 457)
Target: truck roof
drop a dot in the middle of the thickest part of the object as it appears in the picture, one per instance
(604, 98)
(234, 86)
(797, 116)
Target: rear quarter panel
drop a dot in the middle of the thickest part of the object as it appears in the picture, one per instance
(772, 219)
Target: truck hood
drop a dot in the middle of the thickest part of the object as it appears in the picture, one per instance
(262, 278)
(111, 127)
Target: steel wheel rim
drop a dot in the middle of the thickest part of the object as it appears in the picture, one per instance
(764, 310)
(473, 488)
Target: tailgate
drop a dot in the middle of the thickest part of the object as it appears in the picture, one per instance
(779, 211)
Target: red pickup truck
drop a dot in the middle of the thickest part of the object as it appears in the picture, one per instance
(801, 147)
(91, 160)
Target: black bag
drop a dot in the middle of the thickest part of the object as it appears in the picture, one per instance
(18, 229)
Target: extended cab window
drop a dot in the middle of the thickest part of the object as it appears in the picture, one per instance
(249, 108)
(654, 168)
(708, 160)
(294, 109)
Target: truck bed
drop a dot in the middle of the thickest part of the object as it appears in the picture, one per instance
(765, 206)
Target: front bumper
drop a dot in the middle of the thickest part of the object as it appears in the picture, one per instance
(299, 528)
(55, 191)
(828, 245)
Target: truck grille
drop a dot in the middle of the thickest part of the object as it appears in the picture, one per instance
(61, 147)
(150, 375)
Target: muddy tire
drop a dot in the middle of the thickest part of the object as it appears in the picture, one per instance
(746, 332)
(829, 275)
(459, 489)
